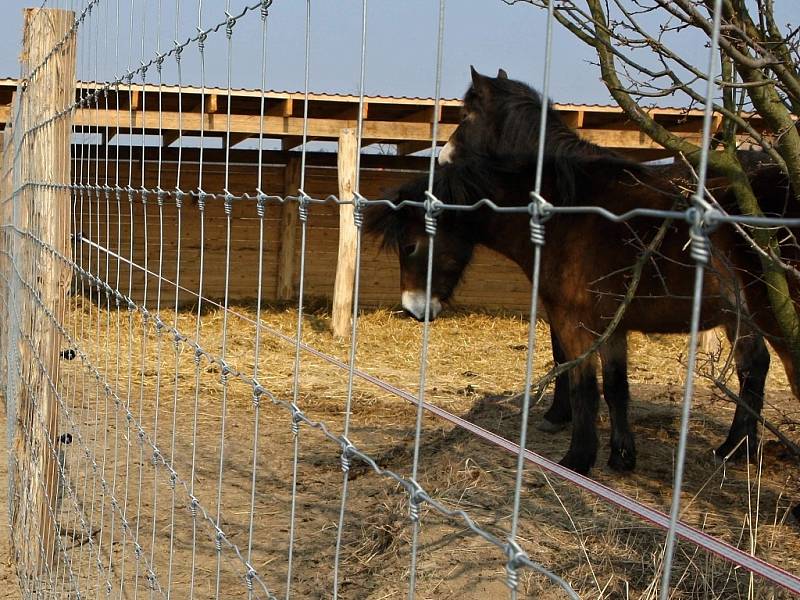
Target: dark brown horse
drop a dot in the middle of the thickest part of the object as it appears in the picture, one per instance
(587, 260)
(501, 119)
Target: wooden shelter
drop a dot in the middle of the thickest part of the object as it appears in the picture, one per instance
(147, 136)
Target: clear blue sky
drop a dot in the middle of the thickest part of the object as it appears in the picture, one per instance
(401, 44)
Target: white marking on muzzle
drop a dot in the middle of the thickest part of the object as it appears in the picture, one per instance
(414, 302)
(446, 154)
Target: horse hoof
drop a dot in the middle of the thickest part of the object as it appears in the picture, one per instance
(734, 451)
(622, 461)
(579, 463)
(550, 427)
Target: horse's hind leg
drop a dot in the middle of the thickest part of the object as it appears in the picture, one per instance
(752, 363)
(560, 412)
(614, 355)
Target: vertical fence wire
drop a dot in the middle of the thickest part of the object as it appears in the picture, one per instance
(700, 251)
(201, 202)
(515, 552)
(302, 209)
(260, 211)
(431, 208)
(179, 196)
(357, 221)
(228, 221)
(101, 540)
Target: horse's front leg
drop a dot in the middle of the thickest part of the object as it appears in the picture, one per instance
(614, 356)
(584, 395)
(559, 414)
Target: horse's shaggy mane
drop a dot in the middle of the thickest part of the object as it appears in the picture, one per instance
(472, 179)
(461, 184)
(569, 159)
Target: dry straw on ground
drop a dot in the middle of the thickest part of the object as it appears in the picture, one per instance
(476, 369)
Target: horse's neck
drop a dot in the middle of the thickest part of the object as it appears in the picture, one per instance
(510, 237)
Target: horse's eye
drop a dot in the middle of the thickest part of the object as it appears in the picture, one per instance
(408, 249)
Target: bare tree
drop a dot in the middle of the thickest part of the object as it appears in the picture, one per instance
(639, 57)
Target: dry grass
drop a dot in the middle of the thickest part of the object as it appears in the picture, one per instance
(476, 369)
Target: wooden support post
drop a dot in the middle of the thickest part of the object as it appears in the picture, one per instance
(6, 152)
(289, 221)
(346, 263)
(235, 138)
(44, 212)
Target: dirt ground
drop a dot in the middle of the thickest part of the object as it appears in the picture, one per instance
(8, 575)
(476, 370)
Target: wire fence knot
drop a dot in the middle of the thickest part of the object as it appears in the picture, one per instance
(193, 504)
(230, 23)
(201, 199)
(249, 577)
(261, 200)
(228, 204)
(516, 557)
(348, 450)
(415, 499)
(258, 391)
(433, 208)
(700, 244)
(297, 418)
(304, 200)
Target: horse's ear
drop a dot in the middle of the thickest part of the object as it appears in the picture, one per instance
(501, 74)
(479, 82)
(476, 77)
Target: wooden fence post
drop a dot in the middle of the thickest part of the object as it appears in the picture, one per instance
(289, 220)
(346, 262)
(43, 209)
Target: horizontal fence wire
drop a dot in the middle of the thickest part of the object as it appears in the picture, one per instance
(103, 539)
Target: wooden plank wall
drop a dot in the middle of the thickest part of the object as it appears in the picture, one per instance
(491, 281)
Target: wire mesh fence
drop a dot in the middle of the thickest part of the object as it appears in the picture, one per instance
(174, 451)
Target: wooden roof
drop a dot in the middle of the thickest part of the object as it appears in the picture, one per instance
(404, 122)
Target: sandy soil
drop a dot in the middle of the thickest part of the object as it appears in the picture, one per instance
(8, 576)
(476, 370)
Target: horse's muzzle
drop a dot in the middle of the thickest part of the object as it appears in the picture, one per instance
(414, 304)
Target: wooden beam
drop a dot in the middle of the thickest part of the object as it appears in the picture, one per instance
(45, 214)
(235, 138)
(291, 142)
(406, 148)
(239, 155)
(168, 137)
(289, 222)
(422, 115)
(348, 235)
(282, 108)
(212, 104)
(573, 119)
(328, 129)
(135, 99)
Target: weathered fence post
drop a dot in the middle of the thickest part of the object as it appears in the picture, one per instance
(42, 212)
(346, 262)
(288, 231)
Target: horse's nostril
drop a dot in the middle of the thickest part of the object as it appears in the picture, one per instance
(416, 317)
